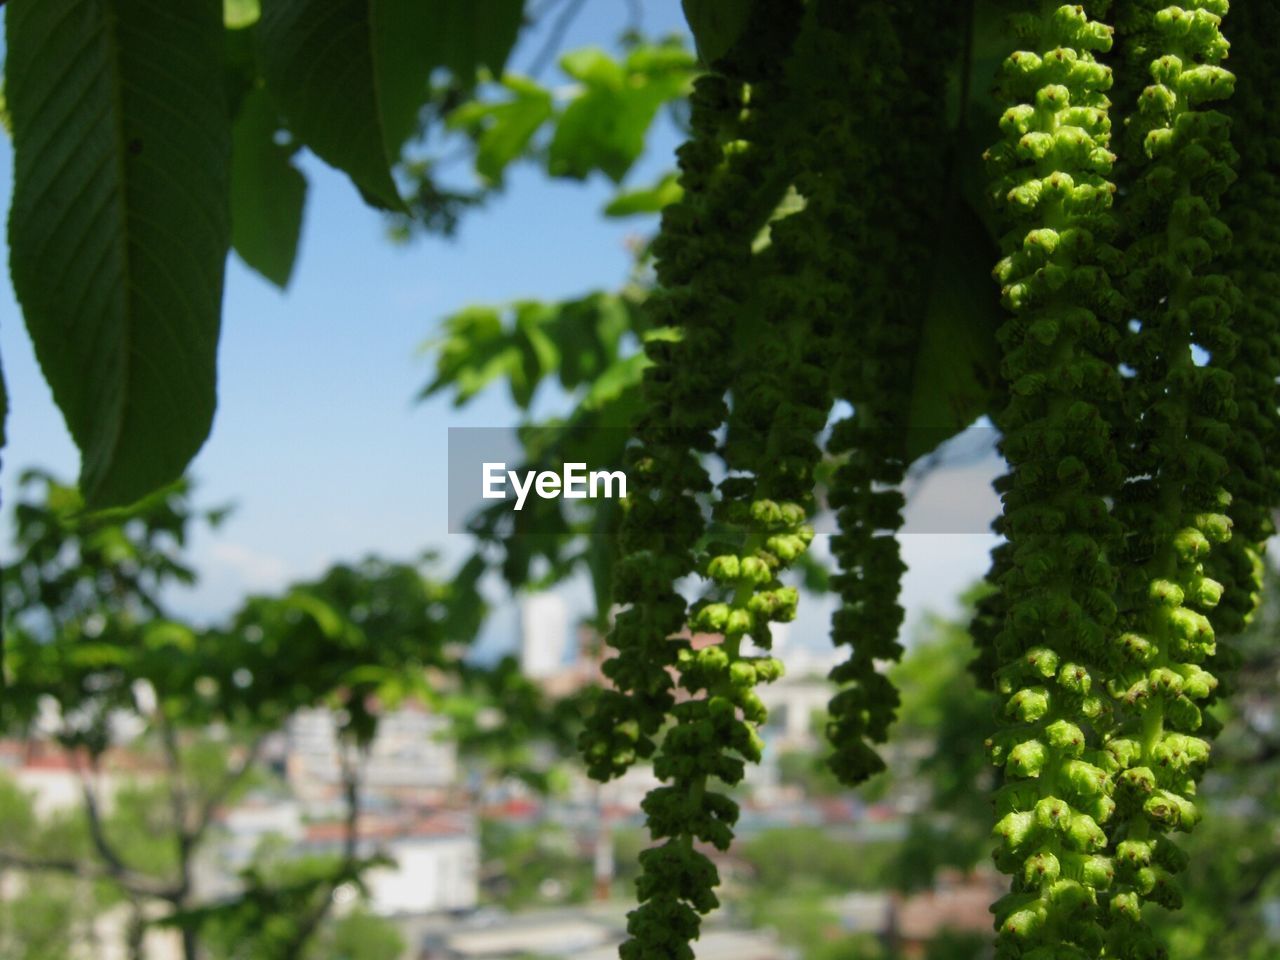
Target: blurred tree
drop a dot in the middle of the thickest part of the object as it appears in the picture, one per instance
(534, 865)
(96, 663)
(944, 713)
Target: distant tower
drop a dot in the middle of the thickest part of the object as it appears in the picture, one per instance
(544, 634)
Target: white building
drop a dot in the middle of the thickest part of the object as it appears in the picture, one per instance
(409, 755)
(436, 861)
(544, 634)
(433, 872)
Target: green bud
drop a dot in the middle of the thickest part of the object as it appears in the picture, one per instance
(1052, 814)
(1027, 759)
(1084, 834)
(724, 569)
(1065, 736)
(755, 570)
(1084, 778)
(1040, 868)
(738, 623)
(1015, 829)
(712, 618)
(1028, 704)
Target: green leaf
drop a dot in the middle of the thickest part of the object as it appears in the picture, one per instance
(716, 25)
(474, 350)
(467, 35)
(586, 333)
(652, 199)
(350, 76)
(268, 192)
(604, 127)
(503, 130)
(539, 356)
(4, 409)
(237, 14)
(119, 226)
(621, 376)
(957, 364)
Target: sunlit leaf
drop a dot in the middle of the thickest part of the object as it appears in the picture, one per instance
(650, 199)
(238, 14)
(604, 127)
(504, 129)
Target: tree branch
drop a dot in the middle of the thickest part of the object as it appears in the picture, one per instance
(350, 847)
(211, 804)
(115, 867)
(132, 883)
(556, 37)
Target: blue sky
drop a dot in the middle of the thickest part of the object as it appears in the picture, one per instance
(317, 439)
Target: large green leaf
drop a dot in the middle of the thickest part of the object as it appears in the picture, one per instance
(349, 76)
(4, 410)
(957, 362)
(716, 25)
(268, 192)
(469, 34)
(119, 228)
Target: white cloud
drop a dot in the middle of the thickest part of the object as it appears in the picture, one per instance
(256, 571)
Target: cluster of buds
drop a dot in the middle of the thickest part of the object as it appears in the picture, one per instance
(703, 251)
(870, 68)
(1181, 403)
(1049, 629)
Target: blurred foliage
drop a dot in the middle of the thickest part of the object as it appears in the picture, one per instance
(944, 710)
(809, 771)
(358, 936)
(534, 866)
(96, 661)
(781, 858)
(596, 122)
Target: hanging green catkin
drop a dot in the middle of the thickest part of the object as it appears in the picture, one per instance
(882, 68)
(1251, 208)
(730, 173)
(699, 273)
(702, 253)
(717, 714)
(1051, 178)
(1174, 507)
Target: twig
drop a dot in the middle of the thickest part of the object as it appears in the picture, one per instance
(350, 845)
(132, 883)
(556, 37)
(219, 796)
(635, 15)
(115, 868)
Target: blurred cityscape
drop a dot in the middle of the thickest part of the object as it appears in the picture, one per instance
(483, 866)
(452, 852)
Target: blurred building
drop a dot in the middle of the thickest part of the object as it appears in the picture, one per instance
(410, 760)
(544, 635)
(585, 933)
(435, 860)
